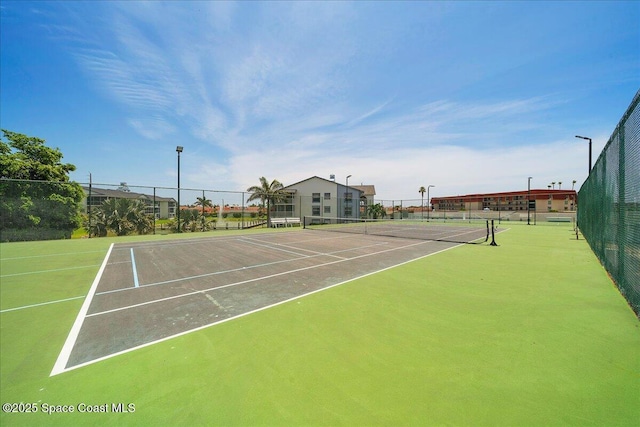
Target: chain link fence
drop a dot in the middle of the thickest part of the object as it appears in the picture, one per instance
(43, 210)
(609, 206)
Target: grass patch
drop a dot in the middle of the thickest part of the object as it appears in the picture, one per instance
(532, 332)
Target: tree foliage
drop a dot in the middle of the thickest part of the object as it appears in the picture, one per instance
(121, 216)
(267, 192)
(38, 201)
(376, 211)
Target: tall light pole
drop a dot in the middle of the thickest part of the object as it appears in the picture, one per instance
(179, 150)
(428, 201)
(590, 143)
(345, 196)
(529, 201)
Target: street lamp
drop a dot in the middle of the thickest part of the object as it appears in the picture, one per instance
(428, 201)
(179, 150)
(346, 200)
(590, 143)
(528, 200)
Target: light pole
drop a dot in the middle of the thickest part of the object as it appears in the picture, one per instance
(528, 201)
(590, 143)
(346, 200)
(428, 201)
(179, 150)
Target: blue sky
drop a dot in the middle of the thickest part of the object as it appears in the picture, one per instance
(467, 96)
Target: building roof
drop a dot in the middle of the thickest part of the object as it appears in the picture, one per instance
(119, 194)
(309, 179)
(368, 190)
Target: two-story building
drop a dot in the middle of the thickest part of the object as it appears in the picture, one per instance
(319, 197)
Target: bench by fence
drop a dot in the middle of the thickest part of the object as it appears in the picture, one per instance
(285, 222)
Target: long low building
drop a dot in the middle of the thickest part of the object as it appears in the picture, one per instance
(165, 207)
(541, 201)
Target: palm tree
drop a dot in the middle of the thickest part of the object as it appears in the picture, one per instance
(573, 184)
(375, 211)
(95, 223)
(205, 203)
(422, 190)
(267, 193)
(122, 216)
(554, 185)
(559, 185)
(142, 222)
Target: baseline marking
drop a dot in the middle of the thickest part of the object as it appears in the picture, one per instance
(65, 353)
(100, 359)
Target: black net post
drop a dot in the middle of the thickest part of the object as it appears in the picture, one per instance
(493, 235)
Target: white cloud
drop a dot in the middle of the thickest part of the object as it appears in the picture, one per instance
(285, 95)
(453, 169)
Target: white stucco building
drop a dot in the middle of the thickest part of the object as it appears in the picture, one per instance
(321, 197)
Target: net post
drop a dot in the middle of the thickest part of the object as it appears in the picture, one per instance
(304, 222)
(487, 237)
(493, 235)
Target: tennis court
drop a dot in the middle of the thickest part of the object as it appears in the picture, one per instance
(148, 292)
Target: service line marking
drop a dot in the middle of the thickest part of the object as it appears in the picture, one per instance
(100, 359)
(242, 282)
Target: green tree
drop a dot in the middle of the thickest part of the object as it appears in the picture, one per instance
(121, 216)
(376, 211)
(37, 201)
(268, 193)
(96, 224)
(204, 203)
(190, 218)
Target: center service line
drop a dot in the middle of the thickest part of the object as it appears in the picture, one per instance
(135, 270)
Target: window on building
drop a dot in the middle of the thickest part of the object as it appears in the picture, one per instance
(315, 211)
(327, 196)
(315, 198)
(327, 209)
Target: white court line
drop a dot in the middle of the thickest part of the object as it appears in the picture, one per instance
(273, 246)
(276, 247)
(266, 264)
(49, 271)
(100, 359)
(39, 304)
(63, 357)
(251, 280)
(48, 255)
(136, 284)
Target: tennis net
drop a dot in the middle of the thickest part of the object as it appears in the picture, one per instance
(475, 232)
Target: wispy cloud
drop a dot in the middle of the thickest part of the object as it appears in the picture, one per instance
(289, 89)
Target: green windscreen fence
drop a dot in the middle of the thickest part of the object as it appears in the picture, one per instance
(609, 206)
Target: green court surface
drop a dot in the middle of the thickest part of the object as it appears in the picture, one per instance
(529, 333)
